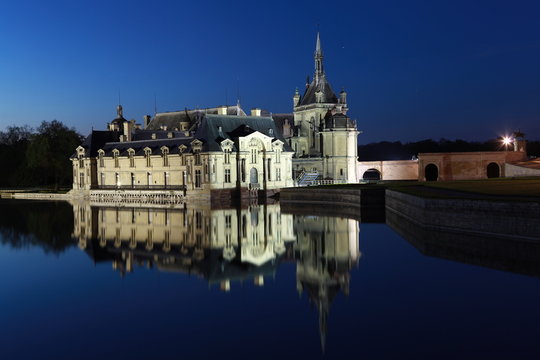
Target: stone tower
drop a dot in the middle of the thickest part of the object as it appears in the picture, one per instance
(325, 138)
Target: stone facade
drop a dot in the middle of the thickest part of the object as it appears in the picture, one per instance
(323, 137)
(236, 154)
(388, 170)
(465, 165)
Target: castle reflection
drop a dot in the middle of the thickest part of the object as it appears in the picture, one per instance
(225, 245)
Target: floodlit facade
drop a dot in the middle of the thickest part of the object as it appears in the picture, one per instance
(323, 137)
(198, 153)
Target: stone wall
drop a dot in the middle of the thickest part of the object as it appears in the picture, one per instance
(497, 219)
(390, 170)
(466, 165)
(511, 170)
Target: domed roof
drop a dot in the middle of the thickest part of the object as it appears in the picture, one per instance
(120, 118)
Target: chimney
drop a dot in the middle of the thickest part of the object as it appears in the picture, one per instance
(146, 121)
(255, 112)
(127, 130)
(222, 110)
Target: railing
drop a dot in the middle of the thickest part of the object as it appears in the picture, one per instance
(306, 178)
(328, 182)
(140, 187)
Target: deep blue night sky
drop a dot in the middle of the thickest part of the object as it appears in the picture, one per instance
(412, 69)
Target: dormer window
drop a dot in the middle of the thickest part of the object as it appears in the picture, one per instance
(165, 155)
(100, 157)
(181, 150)
(147, 155)
(116, 153)
(81, 161)
(131, 155)
(197, 155)
(196, 145)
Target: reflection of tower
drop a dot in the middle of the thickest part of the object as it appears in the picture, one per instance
(326, 250)
(221, 245)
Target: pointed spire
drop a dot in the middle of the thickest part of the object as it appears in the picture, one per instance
(318, 59)
(318, 46)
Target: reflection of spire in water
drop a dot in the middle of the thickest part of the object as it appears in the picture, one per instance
(326, 250)
(225, 246)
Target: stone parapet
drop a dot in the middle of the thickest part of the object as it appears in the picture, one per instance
(501, 219)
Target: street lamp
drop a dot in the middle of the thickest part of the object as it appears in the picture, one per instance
(506, 140)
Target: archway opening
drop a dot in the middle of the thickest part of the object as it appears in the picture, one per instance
(372, 174)
(253, 176)
(432, 172)
(493, 170)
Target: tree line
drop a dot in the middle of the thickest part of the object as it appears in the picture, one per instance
(38, 157)
(386, 150)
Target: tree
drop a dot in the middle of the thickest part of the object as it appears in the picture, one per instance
(49, 151)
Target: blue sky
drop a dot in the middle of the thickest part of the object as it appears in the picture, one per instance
(412, 69)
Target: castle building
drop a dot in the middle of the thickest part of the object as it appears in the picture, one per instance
(323, 137)
(217, 152)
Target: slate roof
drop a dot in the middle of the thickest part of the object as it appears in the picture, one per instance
(322, 85)
(173, 119)
(216, 128)
(211, 131)
(96, 140)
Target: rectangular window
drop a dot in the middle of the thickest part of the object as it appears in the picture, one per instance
(101, 162)
(243, 170)
(278, 155)
(278, 174)
(166, 179)
(102, 178)
(253, 156)
(197, 178)
(165, 159)
(269, 171)
(227, 156)
(197, 157)
(182, 159)
(116, 161)
(228, 221)
(81, 162)
(227, 175)
(131, 160)
(81, 180)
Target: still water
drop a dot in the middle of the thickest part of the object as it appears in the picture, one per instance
(85, 282)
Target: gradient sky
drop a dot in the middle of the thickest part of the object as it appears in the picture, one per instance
(412, 69)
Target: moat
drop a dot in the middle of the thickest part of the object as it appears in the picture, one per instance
(262, 281)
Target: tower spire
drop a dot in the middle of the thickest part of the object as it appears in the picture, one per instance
(318, 59)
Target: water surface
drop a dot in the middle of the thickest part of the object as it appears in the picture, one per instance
(254, 282)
